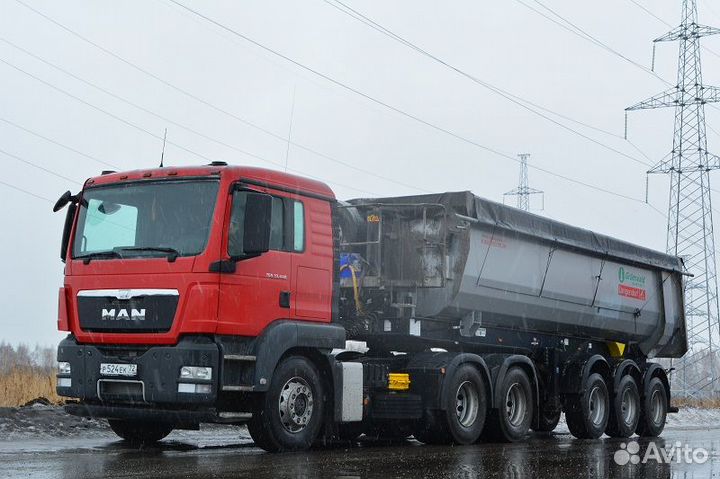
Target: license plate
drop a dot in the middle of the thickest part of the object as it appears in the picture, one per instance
(118, 369)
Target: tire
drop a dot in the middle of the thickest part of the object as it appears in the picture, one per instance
(463, 419)
(587, 414)
(624, 409)
(140, 433)
(654, 410)
(511, 421)
(549, 419)
(289, 415)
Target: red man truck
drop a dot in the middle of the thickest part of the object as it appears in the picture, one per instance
(228, 294)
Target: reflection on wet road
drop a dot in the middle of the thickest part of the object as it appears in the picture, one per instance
(204, 455)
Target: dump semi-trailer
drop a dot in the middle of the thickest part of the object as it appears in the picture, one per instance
(231, 295)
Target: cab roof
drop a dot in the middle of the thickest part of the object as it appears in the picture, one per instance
(260, 176)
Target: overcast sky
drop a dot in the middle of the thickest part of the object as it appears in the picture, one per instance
(502, 43)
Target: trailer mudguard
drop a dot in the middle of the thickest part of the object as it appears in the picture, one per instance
(282, 336)
(627, 366)
(652, 370)
(503, 363)
(450, 361)
(576, 373)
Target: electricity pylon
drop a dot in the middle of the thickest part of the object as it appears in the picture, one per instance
(690, 221)
(523, 191)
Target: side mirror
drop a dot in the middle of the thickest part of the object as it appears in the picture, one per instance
(70, 216)
(256, 226)
(62, 201)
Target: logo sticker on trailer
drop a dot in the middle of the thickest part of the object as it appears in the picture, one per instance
(631, 285)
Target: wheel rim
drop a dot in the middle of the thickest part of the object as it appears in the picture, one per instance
(597, 405)
(295, 405)
(656, 407)
(629, 406)
(515, 405)
(467, 404)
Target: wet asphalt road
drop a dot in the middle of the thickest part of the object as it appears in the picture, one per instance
(226, 454)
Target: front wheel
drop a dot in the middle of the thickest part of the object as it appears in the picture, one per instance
(289, 415)
(140, 432)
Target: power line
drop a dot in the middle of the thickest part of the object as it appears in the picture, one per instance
(213, 106)
(578, 31)
(394, 108)
(55, 142)
(39, 167)
(505, 94)
(27, 192)
(150, 112)
(667, 24)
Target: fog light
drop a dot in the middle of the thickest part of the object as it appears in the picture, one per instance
(64, 368)
(64, 382)
(194, 388)
(195, 372)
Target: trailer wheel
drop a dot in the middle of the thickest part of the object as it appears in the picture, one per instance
(549, 419)
(510, 422)
(289, 415)
(654, 410)
(587, 414)
(624, 409)
(140, 432)
(463, 419)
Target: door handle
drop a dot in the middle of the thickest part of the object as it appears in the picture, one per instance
(284, 299)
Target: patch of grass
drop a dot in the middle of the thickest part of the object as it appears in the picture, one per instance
(21, 385)
(698, 403)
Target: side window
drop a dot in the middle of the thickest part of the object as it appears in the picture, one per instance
(237, 219)
(276, 224)
(298, 226)
(108, 225)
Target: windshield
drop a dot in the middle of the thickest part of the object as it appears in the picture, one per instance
(146, 219)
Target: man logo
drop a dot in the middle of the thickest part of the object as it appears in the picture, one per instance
(123, 314)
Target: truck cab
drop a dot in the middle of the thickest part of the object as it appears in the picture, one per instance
(173, 275)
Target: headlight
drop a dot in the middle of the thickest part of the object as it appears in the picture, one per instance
(64, 368)
(195, 372)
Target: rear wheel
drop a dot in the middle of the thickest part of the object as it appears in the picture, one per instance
(289, 415)
(587, 414)
(511, 421)
(654, 409)
(140, 432)
(463, 419)
(624, 409)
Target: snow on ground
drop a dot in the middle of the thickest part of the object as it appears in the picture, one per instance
(42, 421)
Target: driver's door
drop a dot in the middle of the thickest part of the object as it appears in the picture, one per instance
(258, 291)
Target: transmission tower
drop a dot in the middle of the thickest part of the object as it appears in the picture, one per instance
(690, 222)
(523, 191)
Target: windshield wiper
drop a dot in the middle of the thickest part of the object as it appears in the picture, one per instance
(172, 253)
(86, 258)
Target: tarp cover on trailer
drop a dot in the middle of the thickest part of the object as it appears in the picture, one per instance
(507, 217)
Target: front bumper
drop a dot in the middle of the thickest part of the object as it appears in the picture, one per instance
(157, 378)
